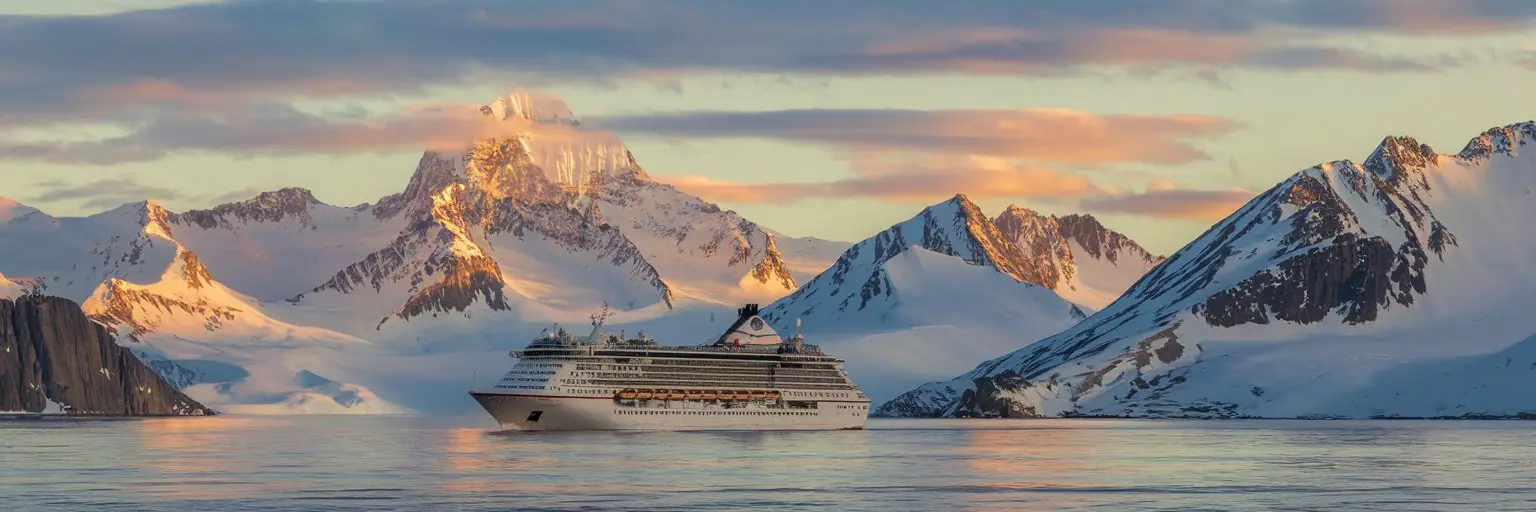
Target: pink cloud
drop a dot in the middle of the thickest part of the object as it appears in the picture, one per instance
(928, 181)
(279, 130)
(1043, 135)
(1164, 199)
(906, 182)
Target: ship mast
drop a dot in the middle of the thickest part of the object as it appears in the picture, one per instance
(597, 323)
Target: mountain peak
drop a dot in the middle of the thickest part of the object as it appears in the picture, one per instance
(536, 106)
(954, 232)
(273, 206)
(11, 209)
(1500, 140)
(958, 204)
(553, 159)
(1043, 247)
(1014, 210)
(149, 213)
(289, 194)
(1101, 242)
(1396, 154)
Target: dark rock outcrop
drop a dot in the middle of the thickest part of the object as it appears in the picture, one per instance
(50, 351)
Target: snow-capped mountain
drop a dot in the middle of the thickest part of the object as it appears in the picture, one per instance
(128, 271)
(1394, 287)
(576, 219)
(1075, 255)
(926, 297)
(283, 302)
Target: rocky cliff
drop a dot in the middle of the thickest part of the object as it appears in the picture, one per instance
(53, 358)
(1075, 255)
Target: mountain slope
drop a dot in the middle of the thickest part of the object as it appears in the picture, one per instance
(1382, 288)
(279, 243)
(922, 297)
(1075, 255)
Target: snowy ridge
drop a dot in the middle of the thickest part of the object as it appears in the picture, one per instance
(923, 298)
(1384, 288)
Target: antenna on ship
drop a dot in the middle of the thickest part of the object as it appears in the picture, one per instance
(797, 341)
(597, 323)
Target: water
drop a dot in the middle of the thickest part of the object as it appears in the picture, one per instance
(232, 463)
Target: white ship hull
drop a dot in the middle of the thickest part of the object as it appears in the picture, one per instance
(535, 413)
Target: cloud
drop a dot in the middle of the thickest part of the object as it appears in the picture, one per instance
(1043, 136)
(216, 53)
(1527, 59)
(1062, 136)
(277, 129)
(1163, 199)
(909, 181)
(981, 178)
(103, 193)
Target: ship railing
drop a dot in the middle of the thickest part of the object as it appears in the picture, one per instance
(755, 349)
(813, 350)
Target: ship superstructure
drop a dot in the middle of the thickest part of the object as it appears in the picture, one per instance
(748, 379)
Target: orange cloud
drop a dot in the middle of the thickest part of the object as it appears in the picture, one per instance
(923, 182)
(157, 90)
(1042, 135)
(280, 129)
(1164, 199)
(905, 182)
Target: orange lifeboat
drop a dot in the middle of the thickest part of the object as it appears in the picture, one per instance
(643, 394)
(758, 394)
(708, 394)
(627, 394)
(743, 394)
(773, 394)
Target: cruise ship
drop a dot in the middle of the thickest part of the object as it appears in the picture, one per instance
(748, 379)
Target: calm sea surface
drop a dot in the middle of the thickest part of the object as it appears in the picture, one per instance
(234, 463)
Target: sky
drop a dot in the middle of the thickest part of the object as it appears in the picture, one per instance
(827, 119)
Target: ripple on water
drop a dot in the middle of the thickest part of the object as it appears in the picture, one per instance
(393, 463)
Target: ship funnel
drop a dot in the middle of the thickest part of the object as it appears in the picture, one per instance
(750, 329)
